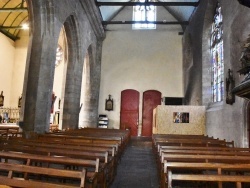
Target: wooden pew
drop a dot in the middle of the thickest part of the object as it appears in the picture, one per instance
(111, 159)
(194, 158)
(9, 131)
(32, 181)
(105, 163)
(123, 135)
(89, 140)
(56, 162)
(193, 142)
(171, 168)
(86, 140)
(194, 149)
(238, 180)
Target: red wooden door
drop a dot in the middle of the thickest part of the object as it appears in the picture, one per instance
(151, 99)
(129, 116)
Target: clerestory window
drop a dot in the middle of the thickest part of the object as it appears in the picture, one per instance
(144, 14)
(217, 57)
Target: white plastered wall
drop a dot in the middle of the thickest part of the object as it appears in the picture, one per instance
(140, 60)
(12, 63)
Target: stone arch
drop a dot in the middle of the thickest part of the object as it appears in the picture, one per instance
(71, 94)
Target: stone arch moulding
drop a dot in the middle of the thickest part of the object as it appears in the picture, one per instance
(72, 90)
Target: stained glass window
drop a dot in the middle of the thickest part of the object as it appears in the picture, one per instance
(217, 57)
(144, 13)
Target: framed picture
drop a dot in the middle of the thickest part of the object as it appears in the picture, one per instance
(109, 104)
(181, 117)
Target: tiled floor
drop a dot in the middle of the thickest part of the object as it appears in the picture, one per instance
(137, 168)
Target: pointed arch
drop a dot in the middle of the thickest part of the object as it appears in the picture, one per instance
(71, 94)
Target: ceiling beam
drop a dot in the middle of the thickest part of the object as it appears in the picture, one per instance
(13, 9)
(194, 4)
(9, 35)
(11, 27)
(147, 22)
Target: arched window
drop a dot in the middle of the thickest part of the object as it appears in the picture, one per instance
(217, 57)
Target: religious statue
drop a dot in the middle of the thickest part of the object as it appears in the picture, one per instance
(1, 99)
(230, 83)
(53, 99)
(245, 59)
(19, 101)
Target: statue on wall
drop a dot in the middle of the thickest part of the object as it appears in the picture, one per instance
(230, 84)
(53, 99)
(19, 101)
(1, 99)
(245, 59)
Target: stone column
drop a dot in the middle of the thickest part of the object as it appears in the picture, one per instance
(92, 91)
(72, 92)
(39, 74)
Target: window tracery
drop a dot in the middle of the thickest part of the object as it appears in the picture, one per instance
(217, 57)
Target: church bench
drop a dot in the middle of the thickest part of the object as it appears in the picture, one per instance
(54, 162)
(26, 142)
(193, 142)
(168, 137)
(9, 131)
(187, 144)
(85, 140)
(237, 179)
(99, 132)
(114, 148)
(112, 153)
(155, 136)
(33, 181)
(70, 144)
(217, 148)
(106, 164)
(187, 139)
(201, 168)
(204, 158)
(203, 152)
(194, 158)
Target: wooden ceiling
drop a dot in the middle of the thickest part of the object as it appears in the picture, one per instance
(13, 14)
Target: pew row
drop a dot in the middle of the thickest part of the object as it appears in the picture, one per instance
(54, 162)
(189, 157)
(13, 178)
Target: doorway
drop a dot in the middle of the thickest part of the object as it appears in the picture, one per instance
(129, 114)
(151, 98)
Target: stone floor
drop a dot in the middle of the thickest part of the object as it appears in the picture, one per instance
(137, 168)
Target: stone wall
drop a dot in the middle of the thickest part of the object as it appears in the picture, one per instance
(222, 120)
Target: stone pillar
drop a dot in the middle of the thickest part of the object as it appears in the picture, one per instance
(92, 100)
(39, 74)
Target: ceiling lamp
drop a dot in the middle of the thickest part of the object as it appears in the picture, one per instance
(25, 26)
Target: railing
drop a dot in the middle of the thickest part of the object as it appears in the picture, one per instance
(9, 115)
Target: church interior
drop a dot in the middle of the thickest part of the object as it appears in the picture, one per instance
(125, 93)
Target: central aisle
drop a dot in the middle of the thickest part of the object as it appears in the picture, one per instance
(137, 168)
